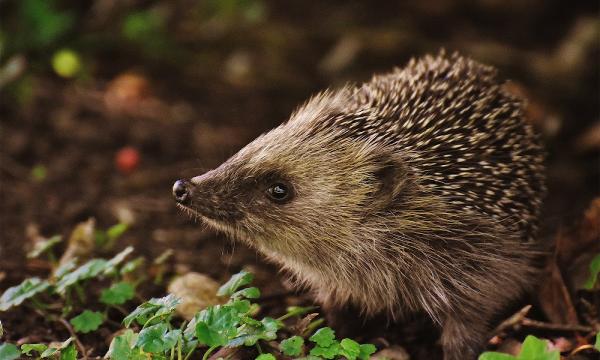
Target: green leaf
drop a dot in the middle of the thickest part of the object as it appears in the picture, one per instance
(132, 265)
(28, 348)
(116, 231)
(366, 350)
(117, 259)
(69, 353)
(537, 349)
(327, 352)
(49, 352)
(532, 346)
(155, 307)
(117, 294)
(597, 344)
(157, 338)
(265, 357)
(215, 325)
(52, 351)
(323, 337)
(270, 327)
(189, 336)
(292, 346)
(249, 293)
(87, 321)
(64, 268)
(9, 352)
(594, 272)
(242, 306)
(251, 332)
(349, 348)
(15, 295)
(492, 355)
(43, 246)
(238, 280)
(250, 321)
(121, 347)
(89, 270)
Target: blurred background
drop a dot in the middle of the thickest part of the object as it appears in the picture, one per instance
(104, 103)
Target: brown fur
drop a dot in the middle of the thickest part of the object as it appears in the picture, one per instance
(417, 191)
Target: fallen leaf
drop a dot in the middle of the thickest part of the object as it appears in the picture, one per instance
(81, 242)
(196, 291)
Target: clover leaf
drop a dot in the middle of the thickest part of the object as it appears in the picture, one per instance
(43, 246)
(28, 348)
(323, 337)
(117, 294)
(157, 338)
(238, 280)
(216, 325)
(292, 346)
(9, 351)
(87, 321)
(15, 295)
(366, 350)
(154, 308)
(86, 271)
(349, 349)
(327, 352)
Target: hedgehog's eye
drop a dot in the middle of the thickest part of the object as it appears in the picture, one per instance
(279, 192)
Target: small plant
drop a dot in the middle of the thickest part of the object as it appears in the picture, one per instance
(61, 298)
(231, 325)
(532, 349)
(152, 330)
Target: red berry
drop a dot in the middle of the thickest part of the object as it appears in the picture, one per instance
(127, 159)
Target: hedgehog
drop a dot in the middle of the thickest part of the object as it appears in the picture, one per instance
(416, 192)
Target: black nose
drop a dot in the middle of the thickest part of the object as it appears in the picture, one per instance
(181, 191)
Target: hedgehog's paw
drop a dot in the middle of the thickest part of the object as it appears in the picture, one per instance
(463, 338)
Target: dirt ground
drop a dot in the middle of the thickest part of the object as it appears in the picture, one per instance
(224, 81)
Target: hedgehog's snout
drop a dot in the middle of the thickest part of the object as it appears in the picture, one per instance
(182, 192)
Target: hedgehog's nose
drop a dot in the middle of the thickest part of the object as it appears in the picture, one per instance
(181, 192)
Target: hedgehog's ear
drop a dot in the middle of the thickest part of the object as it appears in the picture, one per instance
(391, 176)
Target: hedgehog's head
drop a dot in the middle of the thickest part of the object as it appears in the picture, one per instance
(299, 188)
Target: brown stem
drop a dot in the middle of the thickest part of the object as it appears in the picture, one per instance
(557, 327)
(515, 319)
(78, 343)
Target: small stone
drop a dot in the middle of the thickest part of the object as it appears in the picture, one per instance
(196, 291)
(392, 353)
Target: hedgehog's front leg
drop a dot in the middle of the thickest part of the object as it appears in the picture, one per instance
(463, 337)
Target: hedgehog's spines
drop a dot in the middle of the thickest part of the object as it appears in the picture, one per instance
(448, 111)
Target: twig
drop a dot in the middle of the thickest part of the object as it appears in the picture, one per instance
(520, 319)
(80, 346)
(512, 321)
(581, 348)
(557, 327)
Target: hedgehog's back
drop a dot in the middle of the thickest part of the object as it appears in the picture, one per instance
(462, 132)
